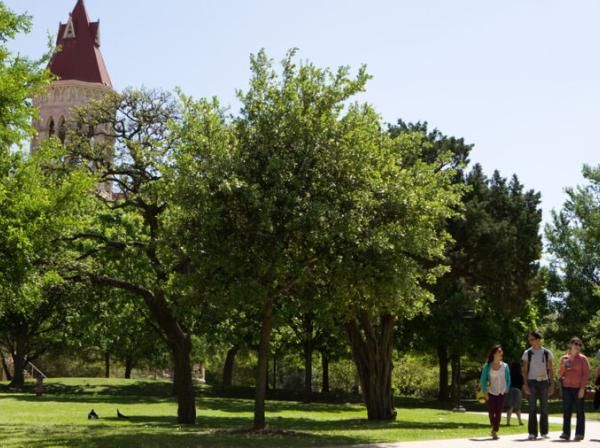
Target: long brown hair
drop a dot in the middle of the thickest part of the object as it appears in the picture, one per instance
(493, 352)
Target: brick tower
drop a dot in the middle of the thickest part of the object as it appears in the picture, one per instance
(82, 75)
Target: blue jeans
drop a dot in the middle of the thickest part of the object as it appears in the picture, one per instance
(538, 390)
(570, 399)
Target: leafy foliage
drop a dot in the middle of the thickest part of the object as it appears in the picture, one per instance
(20, 80)
(574, 242)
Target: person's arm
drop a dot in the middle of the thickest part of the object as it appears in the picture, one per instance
(550, 376)
(561, 367)
(585, 374)
(507, 376)
(524, 371)
(483, 379)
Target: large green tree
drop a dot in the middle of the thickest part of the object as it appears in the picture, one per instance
(37, 203)
(20, 80)
(318, 193)
(131, 245)
(493, 276)
(398, 253)
(574, 244)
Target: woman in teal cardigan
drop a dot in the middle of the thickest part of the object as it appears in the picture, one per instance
(495, 381)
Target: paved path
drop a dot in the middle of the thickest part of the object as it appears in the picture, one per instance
(592, 432)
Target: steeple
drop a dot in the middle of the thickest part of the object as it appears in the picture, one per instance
(78, 57)
(82, 77)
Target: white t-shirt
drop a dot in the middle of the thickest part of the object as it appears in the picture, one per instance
(498, 380)
(537, 367)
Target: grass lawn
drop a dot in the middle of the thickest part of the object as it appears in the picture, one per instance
(59, 419)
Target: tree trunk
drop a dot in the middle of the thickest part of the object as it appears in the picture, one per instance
(177, 338)
(19, 360)
(308, 351)
(183, 381)
(180, 343)
(444, 391)
(372, 353)
(228, 367)
(325, 369)
(128, 367)
(275, 367)
(263, 358)
(5, 368)
(107, 364)
(307, 346)
(267, 376)
(456, 379)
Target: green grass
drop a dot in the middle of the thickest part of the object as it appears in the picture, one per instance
(59, 419)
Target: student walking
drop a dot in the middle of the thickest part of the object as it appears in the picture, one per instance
(574, 371)
(539, 383)
(495, 381)
(515, 396)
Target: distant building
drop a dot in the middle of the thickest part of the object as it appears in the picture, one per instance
(82, 76)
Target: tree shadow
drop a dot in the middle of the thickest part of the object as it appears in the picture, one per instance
(231, 405)
(108, 436)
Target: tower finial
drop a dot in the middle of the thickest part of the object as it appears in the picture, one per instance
(79, 57)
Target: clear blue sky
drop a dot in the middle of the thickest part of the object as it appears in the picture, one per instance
(519, 78)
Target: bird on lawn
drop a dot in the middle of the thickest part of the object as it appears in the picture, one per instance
(119, 415)
(92, 415)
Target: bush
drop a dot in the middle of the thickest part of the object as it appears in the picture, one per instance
(415, 376)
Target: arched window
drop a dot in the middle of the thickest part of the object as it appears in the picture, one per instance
(62, 130)
(51, 127)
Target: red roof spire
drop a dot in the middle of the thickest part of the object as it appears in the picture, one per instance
(79, 58)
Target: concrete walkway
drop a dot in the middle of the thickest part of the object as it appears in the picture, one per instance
(592, 434)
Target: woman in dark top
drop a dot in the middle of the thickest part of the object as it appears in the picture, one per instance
(515, 396)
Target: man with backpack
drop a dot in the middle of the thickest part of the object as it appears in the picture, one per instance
(538, 370)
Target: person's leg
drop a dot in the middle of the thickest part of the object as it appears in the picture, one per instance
(543, 385)
(532, 423)
(510, 403)
(567, 410)
(499, 408)
(580, 409)
(518, 403)
(491, 409)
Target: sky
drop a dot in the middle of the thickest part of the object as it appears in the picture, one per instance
(519, 79)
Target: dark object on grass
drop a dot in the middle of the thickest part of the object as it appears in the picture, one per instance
(39, 386)
(122, 416)
(92, 415)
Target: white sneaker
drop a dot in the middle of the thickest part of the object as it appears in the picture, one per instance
(545, 436)
(531, 437)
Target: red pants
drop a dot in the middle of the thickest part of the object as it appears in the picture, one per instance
(495, 407)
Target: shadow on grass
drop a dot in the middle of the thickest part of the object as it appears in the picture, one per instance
(212, 403)
(214, 431)
(180, 439)
(239, 399)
